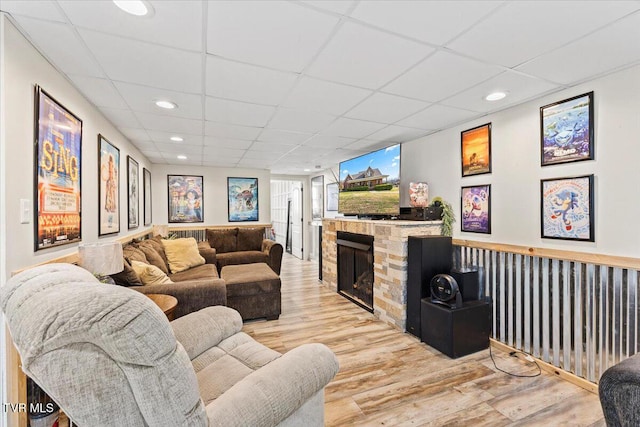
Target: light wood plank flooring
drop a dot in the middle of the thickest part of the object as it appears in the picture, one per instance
(390, 378)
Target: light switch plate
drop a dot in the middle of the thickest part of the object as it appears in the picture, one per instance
(25, 211)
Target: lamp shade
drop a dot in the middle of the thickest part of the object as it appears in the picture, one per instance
(161, 230)
(101, 258)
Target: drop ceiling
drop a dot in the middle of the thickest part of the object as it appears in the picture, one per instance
(289, 86)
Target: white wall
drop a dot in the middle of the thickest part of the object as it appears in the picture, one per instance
(215, 210)
(516, 170)
(24, 67)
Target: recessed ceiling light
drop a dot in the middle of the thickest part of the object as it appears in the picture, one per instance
(166, 104)
(307, 170)
(176, 139)
(135, 7)
(495, 96)
(182, 157)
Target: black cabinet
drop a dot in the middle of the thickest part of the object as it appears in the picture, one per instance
(456, 332)
(426, 257)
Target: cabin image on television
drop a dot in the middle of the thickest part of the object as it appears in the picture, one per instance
(369, 178)
(374, 188)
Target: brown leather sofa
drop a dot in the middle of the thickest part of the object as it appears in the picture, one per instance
(195, 288)
(244, 245)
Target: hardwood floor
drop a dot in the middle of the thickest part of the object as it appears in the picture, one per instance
(390, 378)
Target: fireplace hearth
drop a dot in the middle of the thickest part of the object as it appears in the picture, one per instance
(355, 268)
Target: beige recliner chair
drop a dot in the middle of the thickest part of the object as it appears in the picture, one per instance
(109, 357)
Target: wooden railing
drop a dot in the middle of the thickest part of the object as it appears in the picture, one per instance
(576, 311)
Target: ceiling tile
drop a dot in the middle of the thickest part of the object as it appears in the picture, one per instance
(437, 117)
(327, 141)
(160, 136)
(287, 39)
(434, 22)
(522, 30)
(211, 153)
(169, 124)
(440, 76)
(395, 133)
(40, 9)
(519, 88)
(121, 118)
(142, 98)
(231, 131)
(607, 49)
(100, 92)
(214, 141)
(179, 148)
(283, 136)
(62, 46)
(271, 146)
(177, 24)
(366, 145)
(242, 82)
(146, 147)
(133, 134)
(300, 120)
(319, 95)
(254, 163)
(238, 113)
(362, 56)
(385, 108)
(264, 156)
(220, 163)
(352, 128)
(340, 7)
(143, 63)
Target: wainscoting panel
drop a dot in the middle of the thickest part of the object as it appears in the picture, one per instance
(581, 317)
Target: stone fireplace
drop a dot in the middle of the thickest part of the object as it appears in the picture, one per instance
(355, 268)
(389, 295)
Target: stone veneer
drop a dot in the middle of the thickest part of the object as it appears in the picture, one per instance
(389, 260)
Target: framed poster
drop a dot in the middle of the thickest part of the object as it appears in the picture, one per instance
(317, 197)
(332, 197)
(566, 130)
(476, 150)
(567, 208)
(108, 187)
(243, 199)
(186, 198)
(57, 169)
(133, 201)
(476, 209)
(146, 183)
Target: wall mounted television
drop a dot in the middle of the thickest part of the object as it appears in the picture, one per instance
(370, 184)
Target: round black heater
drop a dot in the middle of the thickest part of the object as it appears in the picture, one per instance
(444, 290)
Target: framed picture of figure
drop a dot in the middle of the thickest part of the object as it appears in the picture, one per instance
(146, 182)
(133, 185)
(243, 199)
(475, 149)
(566, 208)
(186, 198)
(108, 187)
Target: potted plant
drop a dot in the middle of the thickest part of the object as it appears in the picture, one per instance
(446, 214)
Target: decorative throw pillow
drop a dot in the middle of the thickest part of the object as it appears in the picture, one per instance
(153, 257)
(127, 277)
(182, 254)
(150, 274)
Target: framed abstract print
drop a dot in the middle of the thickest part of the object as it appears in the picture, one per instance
(186, 198)
(57, 170)
(242, 195)
(133, 185)
(475, 148)
(108, 187)
(332, 197)
(476, 209)
(566, 130)
(566, 208)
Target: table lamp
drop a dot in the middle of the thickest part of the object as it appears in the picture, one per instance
(101, 259)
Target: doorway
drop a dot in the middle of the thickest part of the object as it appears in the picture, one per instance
(287, 215)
